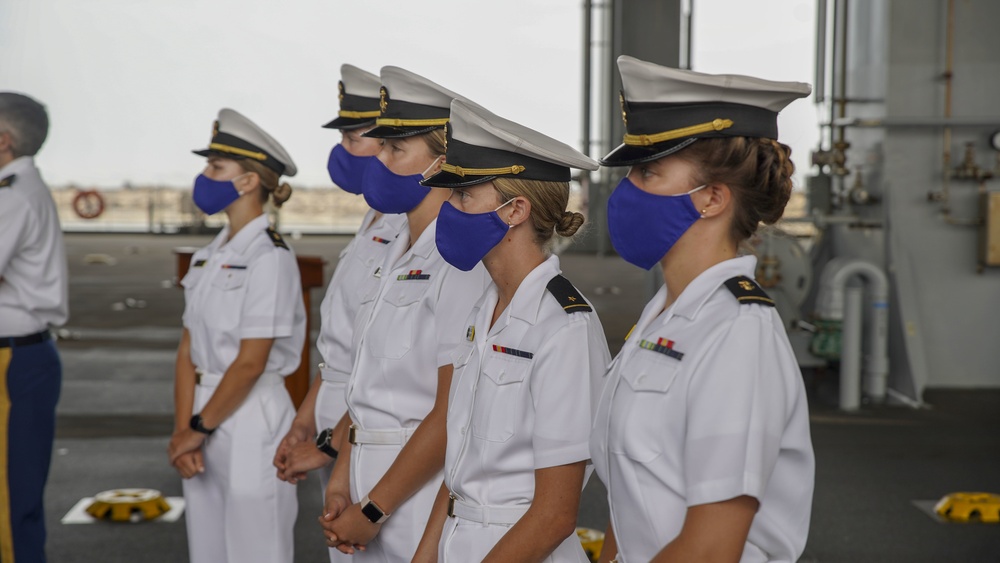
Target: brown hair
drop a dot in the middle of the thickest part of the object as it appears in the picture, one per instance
(436, 142)
(269, 187)
(548, 206)
(758, 172)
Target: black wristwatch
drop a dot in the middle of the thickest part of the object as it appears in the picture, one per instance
(198, 425)
(323, 443)
(372, 512)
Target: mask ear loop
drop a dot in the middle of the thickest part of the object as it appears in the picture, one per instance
(433, 164)
(509, 226)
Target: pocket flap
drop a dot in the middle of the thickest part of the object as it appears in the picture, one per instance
(505, 372)
(405, 293)
(650, 374)
(230, 279)
(461, 354)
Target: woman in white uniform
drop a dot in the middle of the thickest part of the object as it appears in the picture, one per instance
(315, 435)
(702, 432)
(407, 329)
(244, 328)
(519, 410)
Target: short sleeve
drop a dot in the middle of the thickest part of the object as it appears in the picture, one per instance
(273, 296)
(14, 217)
(560, 394)
(737, 409)
(458, 294)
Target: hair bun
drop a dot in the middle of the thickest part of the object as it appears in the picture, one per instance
(569, 223)
(281, 194)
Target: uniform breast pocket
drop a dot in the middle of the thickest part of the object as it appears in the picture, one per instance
(224, 303)
(398, 317)
(643, 400)
(498, 404)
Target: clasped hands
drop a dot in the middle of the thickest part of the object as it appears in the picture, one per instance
(344, 525)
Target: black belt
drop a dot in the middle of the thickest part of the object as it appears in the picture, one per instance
(15, 341)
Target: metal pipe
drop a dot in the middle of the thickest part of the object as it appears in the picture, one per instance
(588, 85)
(842, 101)
(928, 122)
(820, 76)
(831, 305)
(946, 141)
(850, 357)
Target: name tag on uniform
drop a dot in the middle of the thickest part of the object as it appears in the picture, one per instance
(663, 346)
(233, 267)
(413, 275)
(513, 352)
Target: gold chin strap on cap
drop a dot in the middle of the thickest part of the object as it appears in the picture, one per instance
(647, 140)
(359, 114)
(239, 152)
(463, 172)
(393, 122)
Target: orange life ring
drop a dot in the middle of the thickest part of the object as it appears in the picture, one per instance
(88, 204)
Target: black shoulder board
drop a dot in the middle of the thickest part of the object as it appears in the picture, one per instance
(276, 238)
(747, 291)
(567, 295)
(8, 181)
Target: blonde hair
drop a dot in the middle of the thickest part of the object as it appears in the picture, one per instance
(279, 193)
(548, 206)
(436, 142)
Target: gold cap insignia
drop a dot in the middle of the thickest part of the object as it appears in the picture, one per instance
(215, 128)
(340, 90)
(621, 100)
(383, 98)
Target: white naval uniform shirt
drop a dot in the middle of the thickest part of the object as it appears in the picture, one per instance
(352, 280)
(407, 328)
(244, 288)
(520, 401)
(728, 418)
(33, 284)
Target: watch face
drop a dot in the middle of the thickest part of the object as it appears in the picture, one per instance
(372, 512)
(323, 439)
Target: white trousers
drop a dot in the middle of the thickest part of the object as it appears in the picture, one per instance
(463, 541)
(238, 511)
(330, 407)
(397, 540)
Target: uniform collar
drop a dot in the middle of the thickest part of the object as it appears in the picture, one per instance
(241, 240)
(17, 166)
(426, 244)
(528, 297)
(702, 287)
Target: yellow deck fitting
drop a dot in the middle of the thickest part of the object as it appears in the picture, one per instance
(128, 505)
(969, 507)
(592, 541)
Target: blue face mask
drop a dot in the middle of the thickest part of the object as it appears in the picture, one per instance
(389, 192)
(346, 170)
(645, 226)
(463, 239)
(212, 196)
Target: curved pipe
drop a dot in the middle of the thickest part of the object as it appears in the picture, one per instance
(831, 305)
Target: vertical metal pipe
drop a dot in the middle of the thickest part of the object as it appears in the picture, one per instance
(850, 355)
(588, 86)
(820, 69)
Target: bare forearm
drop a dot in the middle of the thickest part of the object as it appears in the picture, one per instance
(230, 394)
(305, 417)
(550, 519)
(428, 547)
(420, 460)
(340, 479)
(610, 548)
(712, 532)
(184, 383)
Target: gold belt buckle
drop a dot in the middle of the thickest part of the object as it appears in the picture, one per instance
(451, 506)
(352, 434)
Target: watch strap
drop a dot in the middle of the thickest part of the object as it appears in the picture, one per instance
(198, 425)
(323, 443)
(372, 511)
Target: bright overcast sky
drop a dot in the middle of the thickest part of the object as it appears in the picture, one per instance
(133, 85)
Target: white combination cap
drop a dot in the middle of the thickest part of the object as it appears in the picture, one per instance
(410, 104)
(483, 146)
(359, 98)
(234, 136)
(666, 109)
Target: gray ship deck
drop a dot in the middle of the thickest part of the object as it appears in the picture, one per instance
(115, 419)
